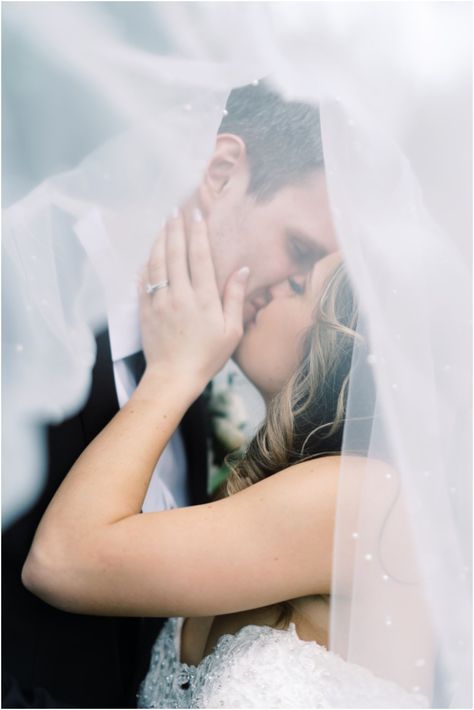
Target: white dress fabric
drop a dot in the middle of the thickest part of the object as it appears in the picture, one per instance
(263, 667)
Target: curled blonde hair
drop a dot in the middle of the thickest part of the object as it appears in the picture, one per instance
(305, 420)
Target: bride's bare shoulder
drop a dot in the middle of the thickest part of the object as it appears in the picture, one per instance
(335, 465)
(323, 466)
(325, 472)
(297, 488)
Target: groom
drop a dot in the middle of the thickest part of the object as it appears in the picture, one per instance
(263, 195)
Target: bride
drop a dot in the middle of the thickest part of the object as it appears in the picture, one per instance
(247, 589)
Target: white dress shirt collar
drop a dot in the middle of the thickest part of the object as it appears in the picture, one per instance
(119, 285)
(168, 486)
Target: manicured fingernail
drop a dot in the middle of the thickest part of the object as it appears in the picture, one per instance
(243, 274)
(197, 215)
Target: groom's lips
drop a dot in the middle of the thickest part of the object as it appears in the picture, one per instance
(254, 305)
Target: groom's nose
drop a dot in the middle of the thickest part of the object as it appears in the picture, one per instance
(261, 299)
(279, 290)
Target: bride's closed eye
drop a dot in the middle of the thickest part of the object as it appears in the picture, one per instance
(297, 287)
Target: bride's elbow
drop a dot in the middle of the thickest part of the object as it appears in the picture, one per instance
(38, 573)
(51, 579)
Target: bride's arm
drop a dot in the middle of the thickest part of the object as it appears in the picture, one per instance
(270, 542)
(95, 553)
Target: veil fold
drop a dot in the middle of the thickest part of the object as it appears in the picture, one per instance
(110, 113)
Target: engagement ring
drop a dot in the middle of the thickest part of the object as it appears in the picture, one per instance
(151, 288)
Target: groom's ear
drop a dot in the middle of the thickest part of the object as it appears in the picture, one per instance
(227, 168)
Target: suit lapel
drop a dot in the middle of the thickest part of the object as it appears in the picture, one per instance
(195, 431)
(102, 404)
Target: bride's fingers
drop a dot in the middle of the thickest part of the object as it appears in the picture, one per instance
(156, 267)
(201, 266)
(176, 257)
(233, 303)
(144, 299)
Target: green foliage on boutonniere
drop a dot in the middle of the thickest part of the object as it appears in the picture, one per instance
(228, 420)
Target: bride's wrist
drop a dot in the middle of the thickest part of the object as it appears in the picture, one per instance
(159, 380)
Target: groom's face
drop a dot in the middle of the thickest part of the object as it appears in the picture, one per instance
(276, 238)
(279, 238)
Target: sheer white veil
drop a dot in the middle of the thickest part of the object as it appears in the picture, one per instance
(110, 112)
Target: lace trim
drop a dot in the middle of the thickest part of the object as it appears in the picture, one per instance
(260, 666)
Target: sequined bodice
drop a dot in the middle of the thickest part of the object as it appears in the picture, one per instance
(266, 668)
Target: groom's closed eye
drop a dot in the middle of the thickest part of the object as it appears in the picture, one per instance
(303, 252)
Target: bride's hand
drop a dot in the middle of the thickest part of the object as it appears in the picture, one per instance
(188, 333)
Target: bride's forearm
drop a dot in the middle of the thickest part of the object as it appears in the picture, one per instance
(188, 334)
(110, 479)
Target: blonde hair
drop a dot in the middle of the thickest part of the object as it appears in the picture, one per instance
(306, 418)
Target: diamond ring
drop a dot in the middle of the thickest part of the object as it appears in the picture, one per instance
(151, 288)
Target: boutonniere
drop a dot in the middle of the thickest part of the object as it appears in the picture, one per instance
(228, 420)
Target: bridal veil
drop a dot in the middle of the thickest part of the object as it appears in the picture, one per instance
(110, 113)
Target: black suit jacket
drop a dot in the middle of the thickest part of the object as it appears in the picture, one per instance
(54, 659)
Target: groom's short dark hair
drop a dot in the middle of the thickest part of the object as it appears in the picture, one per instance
(283, 138)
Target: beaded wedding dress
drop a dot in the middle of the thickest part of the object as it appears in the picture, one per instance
(263, 667)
